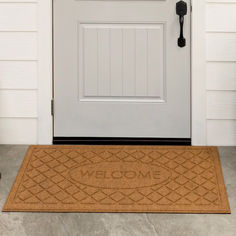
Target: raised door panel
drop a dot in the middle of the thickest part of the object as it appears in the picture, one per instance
(122, 62)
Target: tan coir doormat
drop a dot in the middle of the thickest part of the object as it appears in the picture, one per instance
(119, 179)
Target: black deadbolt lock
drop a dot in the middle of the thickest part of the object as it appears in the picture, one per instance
(181, 11)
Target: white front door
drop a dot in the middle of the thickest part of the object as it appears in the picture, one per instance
(118, 71)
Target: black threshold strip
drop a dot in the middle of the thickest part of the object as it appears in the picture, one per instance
(120, 141)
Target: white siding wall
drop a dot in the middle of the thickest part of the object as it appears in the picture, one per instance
(221, 72)
(19, 65)
(18, 72)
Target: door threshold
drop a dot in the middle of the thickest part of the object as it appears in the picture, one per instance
(120, 141)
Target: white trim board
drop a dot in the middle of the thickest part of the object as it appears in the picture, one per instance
(45, 64)
(198, 72)
(45, 122)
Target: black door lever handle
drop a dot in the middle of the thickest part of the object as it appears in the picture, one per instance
(181, 11)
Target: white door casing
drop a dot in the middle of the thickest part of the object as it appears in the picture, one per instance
(198, 72)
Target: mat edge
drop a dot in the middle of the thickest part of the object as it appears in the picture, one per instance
(215, 150)
(22, 166)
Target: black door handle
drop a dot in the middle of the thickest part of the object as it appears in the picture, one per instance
(181, 11)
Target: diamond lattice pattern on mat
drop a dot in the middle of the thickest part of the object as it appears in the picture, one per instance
(192, 181)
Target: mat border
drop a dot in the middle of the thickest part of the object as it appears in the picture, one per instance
(225, 207)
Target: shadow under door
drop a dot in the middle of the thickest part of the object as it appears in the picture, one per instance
(118, 70)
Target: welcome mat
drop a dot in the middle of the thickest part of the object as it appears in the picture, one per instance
(119, 179)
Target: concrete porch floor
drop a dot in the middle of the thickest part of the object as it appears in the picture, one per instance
(92, 224)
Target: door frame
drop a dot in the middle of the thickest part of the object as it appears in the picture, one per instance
(45, 72)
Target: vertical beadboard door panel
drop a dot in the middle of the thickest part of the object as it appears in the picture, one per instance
(18, 103)
(122, 60)
(18, 16)
(18, 46)
(141, 62)
(221, 17)
(90, 62)
(156, 62)
(129, 62)
(103, 61)
(18, 131)
(221, 104)
(18, 75)
(221, 46)
(221, 132)
(221, 75)
(116, 63)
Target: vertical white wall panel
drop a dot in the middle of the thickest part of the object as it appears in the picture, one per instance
(18, 45)
(221, 46)
(220, 17)
(221, 72)
(221, 75)
(221, 105)
(18, 72)
(221, 1)
(221, 132)
(19, 1)
(18, 131)
(18, 75)
(18, 16)
(18, 103)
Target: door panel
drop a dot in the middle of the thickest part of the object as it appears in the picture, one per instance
(121, 61)
(118, 71)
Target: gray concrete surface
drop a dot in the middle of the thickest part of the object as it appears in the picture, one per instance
(89, 224)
